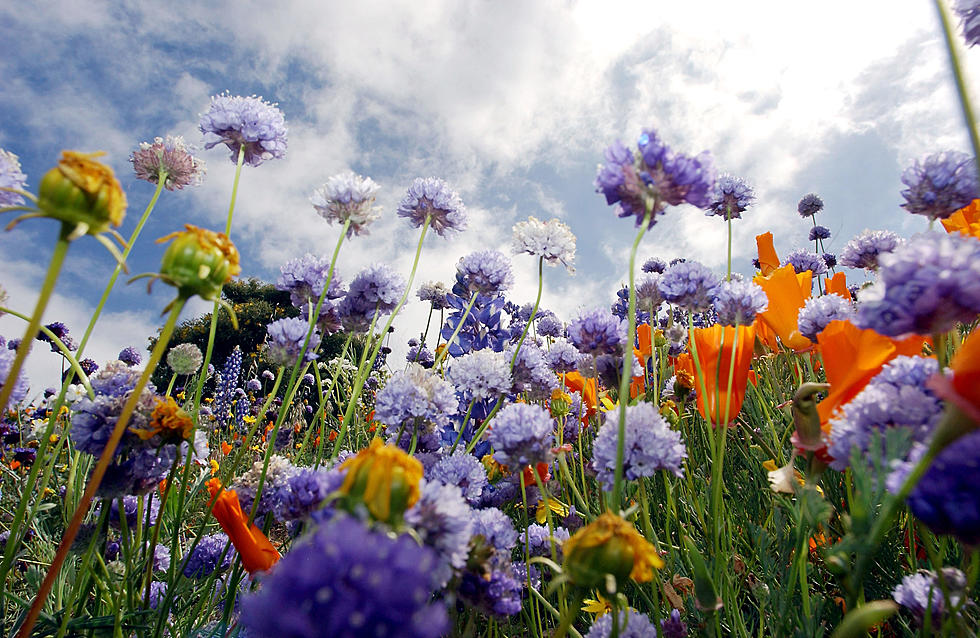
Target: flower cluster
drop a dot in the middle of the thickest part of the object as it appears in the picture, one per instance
(522, 435)
(940, 184)
(11, 177)
(168, 159)
(432, 199)
(649, 445)
(347, 197)
(689, 285)
(553, 241)
(732, 196)
(246, 125)
(863, 251)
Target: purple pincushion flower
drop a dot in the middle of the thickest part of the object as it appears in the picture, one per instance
(347, 197)
(346, 580)
(731, 197)
(922, 593)
(650, 445)
(432, 198)
(133, 512)
(285, 341)
(553, 241)
(689, 285)
(496, 528)
(486, 272)
(130, 356)
(522, 434)
(802, 260)
(539, 539)
(303, 278)
(940, 184)
(480, 375)
(863, 251)
(11, 177)
(819, 232)
(946, 499)
(597, 332)
(435, 293)
(809, 205)
(532, 374)
(375, 290)
(247, 123)
(168, 158)
(738, 302)
(969, 13)
(632, 624)
(444, 522)
(549, 325)
(415, 397)
(462, 470)
(562, 356)
(654, 265)
(818, 312)
(497, 593)
(214, 551)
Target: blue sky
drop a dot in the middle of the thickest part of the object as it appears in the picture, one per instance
(511, 102)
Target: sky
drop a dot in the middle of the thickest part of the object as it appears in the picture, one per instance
(511, 102)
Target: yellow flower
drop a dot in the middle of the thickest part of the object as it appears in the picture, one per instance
(384, 478)
(559, 508)
(609, 545)
(168, 420)
(494, 469)
(597, 606)
(83, 193)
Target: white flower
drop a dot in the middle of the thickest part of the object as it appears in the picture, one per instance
(552, 240)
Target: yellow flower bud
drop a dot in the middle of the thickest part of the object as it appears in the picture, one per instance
(384, 478)
(609, 545)
(199, 262)
(83, 193)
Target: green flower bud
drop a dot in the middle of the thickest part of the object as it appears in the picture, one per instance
(199, 262)
(82, 193)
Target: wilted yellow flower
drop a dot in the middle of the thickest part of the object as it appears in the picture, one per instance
(494, 469)
(168, 420)
(83, 193)
(609, 545)
(384, 478)
(199, 262)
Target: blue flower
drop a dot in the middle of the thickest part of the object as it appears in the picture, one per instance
(375, 290)
(802, 260)
(551, 240)
(738, 302)
(539, 539)
(169, 157)
(462, 470)
(485, 271)
(496, 528)
(731, 197)
(819, 232)
(818, 312)
(444, 522)
(130, 356)
(532, 374)
(346, 580)
(245, 122)
(689, 285)
(563, 356)
(522, 434)
(654, 265)
(922, 592)
(946, 499)
(863, 251)
(650, 445)
(969, 13)
(940, 184)
(549, 325)
(596, 332)
(303, 278)
(205, 558)
(11, 177)
(133, 512)
(285, 341)
(21, 385)
(497, 593)
(431, 198)
(632, 624)
(481, 375)
(415, 397)
(809, 205)
(347, 196)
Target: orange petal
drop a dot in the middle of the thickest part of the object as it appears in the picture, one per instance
(768, 259)
(966, 369)
(256, 551)
(966, 220)
(837, 285)
(725, 380)
(787, 292)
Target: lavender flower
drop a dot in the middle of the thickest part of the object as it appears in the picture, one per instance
(415, 397)
(818, 312)
(133, 512)
(205, 558)
(485, 271)
(347, 196)
(922, 592)
(531, 373)
(539, 539)
(522, 434)
(863, 251)
(375, 290)
(650, 445)
(345, 580)
(830, 259)
(926, 286)
(969, 13)
(285, 341)
(21, 386)
(738, 302)
(731, 197)
(444, 522)
(11, 177)
(431, 198)
(302, 491)
(673, 627)
(809, 206)
(940, 184)
(497, 593)
(481, 375)
(597, 332)
(896, 398)
(185, 358)
(553, 241)
(648, 293)
(689, 285)
(946, 498)
(168, 158)
(94, 419)
(563, 356)
(632, 624)
(303, 278)
(130, 356)
(463, 471)
(435, 293)
(819, 232)
(247, 123)
(549, 325)
(654, 265)
(803, 260)
(253, 385)
(496, 528)
(278, 474)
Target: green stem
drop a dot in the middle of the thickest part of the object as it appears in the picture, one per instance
(65, 352)
(534, 312)
(961, 90)
(100, 469)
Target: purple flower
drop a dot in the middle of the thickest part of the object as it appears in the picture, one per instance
(654, 265)
(818, 312)
(485, 271)
(285, 341)
(375, 291)
(650, 445)
(522, 434)
(415, 397)
(301, 492)
(553, 241)
(969, 13)
(431, 198)
(689, 285)
(435, 293)
(133, 512)
(253, 385)
(212, 552)
(94, 419)
(731, 197)
(532, 373)
(653, 178)
(673, 627)
(923, 592)
(563, 356)
(926, 286)
(539, 539)
(497, 593)
(946, 499)
(830, 259)
(168, 158)
(632, 624)
(303, 278)
(444, 522)
(274, 490)
(496, 528)
(597, 332)
(11, 177)
(803, 260)
(462, 470)
(345, 580)
(481, 375)
(738, 302)
(896, 398)
(809, 206)
(863, 251)
(819, 232)
(940, 184)
(21, 386)
(247, 123)
(549, 325)
(347, 196)
(130, 356)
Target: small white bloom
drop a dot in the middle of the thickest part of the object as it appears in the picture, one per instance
(552, 240)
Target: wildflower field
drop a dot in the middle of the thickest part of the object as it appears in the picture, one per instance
(700, 454)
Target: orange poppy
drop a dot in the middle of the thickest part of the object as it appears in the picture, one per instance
(575, 382)
(851, 357)
(768, 259)
(787, 292)
(837, 285)
(963, 389)
(256, 551)
(684, 370)
(765, 334)
(644, 337)
(966, 220)
(716, 347)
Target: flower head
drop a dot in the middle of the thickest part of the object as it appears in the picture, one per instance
(803, 260)
(731, 197)
(83, 193)
(787, 291)
(650, 445)
(485, 271)
(130, 356)
(940, 184)
(863, 251)
(819, 232)
(654, 265)
(199, 262)
(609, 545)
(375, 291)
(738, 302)
(11, 177)
(552, 240)
(213, 551)
(809, 206)
(969, 13)
(247, 124)
(384, 478)
(444, 522)
(725, 354)
(348, 196)
(415, 396)
(285, 339)
(689, 285)
(522, 434)
(966, 220)
(462, 470)
(481, 375)
(946, 499)
(21, 386)
(185, 358)
(817, 313)
(922, 593)
(435, 293)
(597, 332)
(170, 159)
(304, 277)
(632, 624)
(431, 198)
